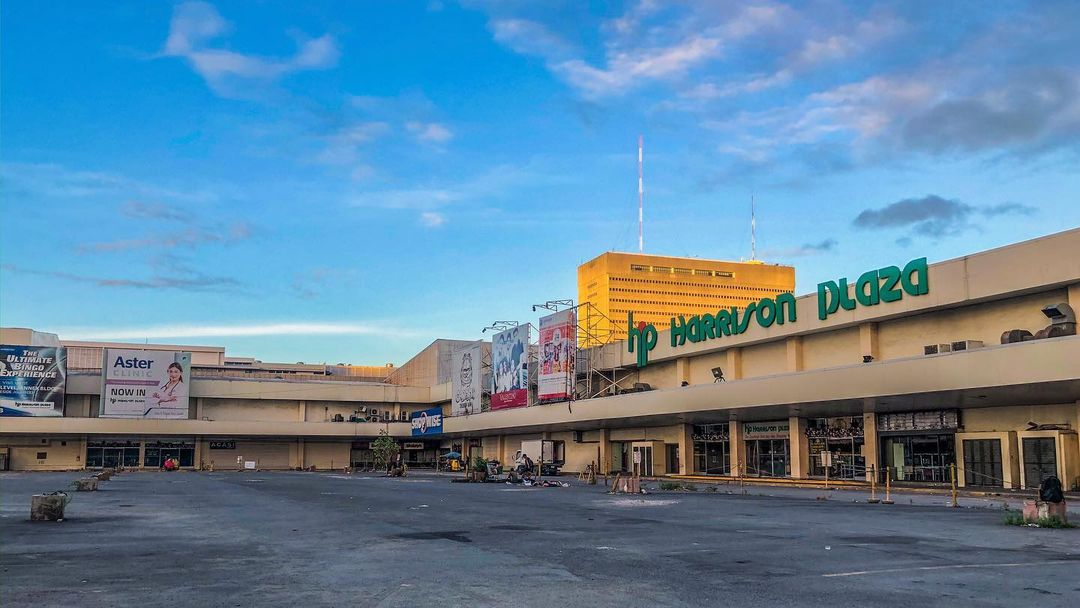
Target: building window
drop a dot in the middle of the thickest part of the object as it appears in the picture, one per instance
(42, 455)
(157, 452)
(725, 275)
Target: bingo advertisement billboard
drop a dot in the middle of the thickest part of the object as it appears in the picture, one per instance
(32, 380)
(558, 347)
(510, 368)
(150, 384)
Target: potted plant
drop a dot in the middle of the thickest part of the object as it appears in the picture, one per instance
(479, 469)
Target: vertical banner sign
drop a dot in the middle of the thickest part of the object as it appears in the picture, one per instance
(558, 347)
(510, 368)
(32, 380)
(466, 370)
(145, 384)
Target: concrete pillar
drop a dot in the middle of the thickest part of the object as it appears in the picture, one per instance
(737, 451)
(301, 411)
(142, 453)
(686, 449)
(605, 451)
(800, 448)
(682, 371)
(868, 341)
(794, 354)
(870, 444)
(198, 453)
(297, 454)
(733, 370)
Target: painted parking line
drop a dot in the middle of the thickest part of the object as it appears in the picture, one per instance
(953, 567)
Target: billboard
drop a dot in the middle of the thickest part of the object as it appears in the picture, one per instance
(510, 368)
(427, 422)
(466, 370)
(145, 384)
(558, 347)
(32, 380)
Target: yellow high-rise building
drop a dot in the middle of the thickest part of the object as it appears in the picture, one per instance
(656, 288)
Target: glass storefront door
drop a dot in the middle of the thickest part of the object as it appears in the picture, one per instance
(112, 454)
(642, 460)
(157, 452)
(712, 454)
(768, 458)
(843, 438)
(919, 457)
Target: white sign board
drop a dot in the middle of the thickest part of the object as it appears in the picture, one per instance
(145, 384)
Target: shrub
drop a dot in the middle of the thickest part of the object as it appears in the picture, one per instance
(670, 485)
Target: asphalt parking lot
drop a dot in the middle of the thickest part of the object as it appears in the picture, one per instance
(315, 539)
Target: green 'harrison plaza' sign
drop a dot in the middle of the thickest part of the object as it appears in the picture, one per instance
(873, 287)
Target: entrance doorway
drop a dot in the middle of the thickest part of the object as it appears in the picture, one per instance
(982, 462)
(1040, 460)
(643, 460)
(919, 457)
(768, 458)
(112, 454)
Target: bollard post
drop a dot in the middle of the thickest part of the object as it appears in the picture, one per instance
(952, 481)
(873, 486)
(888, 487)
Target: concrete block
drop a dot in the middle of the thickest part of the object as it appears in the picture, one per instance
(48, 507)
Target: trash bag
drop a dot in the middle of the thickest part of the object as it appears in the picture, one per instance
(1050, 491)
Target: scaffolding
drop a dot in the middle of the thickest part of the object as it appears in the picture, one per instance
(597, 369)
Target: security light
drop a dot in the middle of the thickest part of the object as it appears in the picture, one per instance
(867, 358)
(717, 374)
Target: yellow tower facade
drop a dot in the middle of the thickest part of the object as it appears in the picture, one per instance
(656, 288)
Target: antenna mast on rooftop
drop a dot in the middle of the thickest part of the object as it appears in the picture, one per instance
(753, 229)
(640, 195)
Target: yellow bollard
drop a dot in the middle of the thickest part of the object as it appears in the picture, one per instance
(952, 480)
(888, 488)
(873, 486)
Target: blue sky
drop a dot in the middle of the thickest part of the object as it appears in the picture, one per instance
(343, 182)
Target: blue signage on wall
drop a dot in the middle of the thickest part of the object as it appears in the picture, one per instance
(32, 380)
(427, 422)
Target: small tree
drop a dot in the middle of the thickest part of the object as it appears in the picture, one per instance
(383, 450)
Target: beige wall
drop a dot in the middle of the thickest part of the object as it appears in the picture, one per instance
(829, 349)
(324, 456)
(906, 337)
(1017, 418)
(250, 409)
(764, 359)
(60, 453)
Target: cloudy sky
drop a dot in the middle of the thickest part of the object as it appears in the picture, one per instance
(336, 181)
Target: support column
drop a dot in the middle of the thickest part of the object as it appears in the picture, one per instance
(733, 371)
(686, 450)
(605, 451)
(868, 341)
(794, 354)
(737, 451)
(871, 451)
(301, 411)
(800, 448)
(198, 453)
(682, 371)
(297, 460)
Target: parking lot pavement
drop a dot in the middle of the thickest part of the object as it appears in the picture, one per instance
(313, 539)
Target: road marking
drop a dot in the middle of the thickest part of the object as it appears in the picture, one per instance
(953, 567)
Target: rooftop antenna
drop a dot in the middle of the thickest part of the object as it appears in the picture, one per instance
(753, 229)
(640, 195)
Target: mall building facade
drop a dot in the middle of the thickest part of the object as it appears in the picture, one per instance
(906, 371)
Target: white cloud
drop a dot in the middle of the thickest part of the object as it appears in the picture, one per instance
(195, 25)
(431, 132)
(432, 219)
(218, 331)
(529, 38)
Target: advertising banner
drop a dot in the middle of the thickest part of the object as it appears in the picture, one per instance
(145, 384)
(427, 422)
(510, 368)
(32, 380)
(558, 347)
(466, 369)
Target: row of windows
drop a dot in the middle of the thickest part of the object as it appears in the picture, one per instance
(685, 294)
(705, 305)
(724, 274)
(698, 285)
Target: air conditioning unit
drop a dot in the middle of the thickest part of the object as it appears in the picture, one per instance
(937, 349)
(966, 345)
(403, 416)
(374, 413)
(578, 437)
(386, 415)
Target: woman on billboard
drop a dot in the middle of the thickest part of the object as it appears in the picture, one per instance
(166, 395)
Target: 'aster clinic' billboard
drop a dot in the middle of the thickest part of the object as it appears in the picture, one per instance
(145, 384)
(32, 380)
